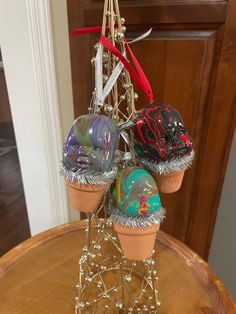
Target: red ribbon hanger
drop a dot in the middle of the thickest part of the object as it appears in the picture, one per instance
(142, 75)
(87, 30)
(138, 75)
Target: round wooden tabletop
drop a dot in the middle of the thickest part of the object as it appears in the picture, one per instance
(39, 276)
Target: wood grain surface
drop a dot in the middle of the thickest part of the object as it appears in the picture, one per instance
(39, 276)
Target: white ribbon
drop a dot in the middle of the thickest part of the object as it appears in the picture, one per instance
(100, 92)
(141, 37)
(125, 136)
(98, 74)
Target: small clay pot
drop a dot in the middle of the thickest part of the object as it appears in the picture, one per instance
(169, 183)
(138, 243)
(85, 197)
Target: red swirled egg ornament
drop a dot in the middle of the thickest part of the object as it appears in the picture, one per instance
(162, 143)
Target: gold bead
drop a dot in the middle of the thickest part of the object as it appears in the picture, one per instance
(88, 279)
(105, 56)
(81, 305)
(105, 78)
(108, 108)
(120, 35)
(97, 246)
(128, 278)
(105, 295)
(135, 96)
(93, 60)
(119, 305)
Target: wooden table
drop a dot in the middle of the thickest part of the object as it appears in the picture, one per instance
(39, 276)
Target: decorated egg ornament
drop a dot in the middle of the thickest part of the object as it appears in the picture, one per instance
(135, 201)
(136, 212)
(163, 145)
(91, 144)
(89, 158)
(160, 134)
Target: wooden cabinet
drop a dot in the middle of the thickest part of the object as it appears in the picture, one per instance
(190, 60)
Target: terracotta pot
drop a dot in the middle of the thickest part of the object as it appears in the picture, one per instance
(138, 243)
(169, 183)
(85, 197)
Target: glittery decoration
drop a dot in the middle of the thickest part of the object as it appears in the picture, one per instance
(160, 134)
(89, 177)
(167, 167)
(139, 222)
(134, 199)
(91, 144)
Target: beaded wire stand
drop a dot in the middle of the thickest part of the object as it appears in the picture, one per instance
(108, 282)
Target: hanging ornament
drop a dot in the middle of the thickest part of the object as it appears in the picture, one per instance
(136, 211)
(163, 145)
(89, 159)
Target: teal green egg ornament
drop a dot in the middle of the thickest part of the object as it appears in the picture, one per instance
(134, 193)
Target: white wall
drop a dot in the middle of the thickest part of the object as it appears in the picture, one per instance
(28, 57)
(62, 63)
(223, 249)
(60, 34)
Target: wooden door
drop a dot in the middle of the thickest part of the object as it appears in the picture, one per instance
(190, 60)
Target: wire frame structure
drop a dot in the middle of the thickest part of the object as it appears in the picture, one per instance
(108, 282)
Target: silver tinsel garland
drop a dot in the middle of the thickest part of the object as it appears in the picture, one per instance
(167, 167)
(89, 177)
(140, 221)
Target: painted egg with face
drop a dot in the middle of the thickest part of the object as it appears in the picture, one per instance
(91, 144)
(135, 193)
(160, 133)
